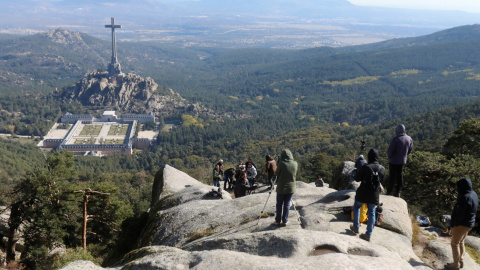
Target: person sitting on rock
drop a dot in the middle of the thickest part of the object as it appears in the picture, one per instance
(319, 182)
(368, 192)
(216, 176)
(241, 187)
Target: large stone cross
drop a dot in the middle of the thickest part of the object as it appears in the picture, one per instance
(114, 67)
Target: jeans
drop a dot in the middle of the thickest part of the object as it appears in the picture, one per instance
(227, 179)
(396, 177)
(283, 201)
(216, 182)
(370, 215)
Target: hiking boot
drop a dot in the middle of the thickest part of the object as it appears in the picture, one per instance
(276, 223)
(353, 229)
(284, 224)
(365, 237)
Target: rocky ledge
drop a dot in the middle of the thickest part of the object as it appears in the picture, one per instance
(188, 229)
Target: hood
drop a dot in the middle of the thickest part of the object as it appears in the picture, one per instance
(400, 129)
(372, 155)
(286, 155)
(464, 185)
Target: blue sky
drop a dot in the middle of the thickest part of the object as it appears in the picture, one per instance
(463, 5)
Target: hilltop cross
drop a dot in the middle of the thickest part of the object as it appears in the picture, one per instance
(114, 68)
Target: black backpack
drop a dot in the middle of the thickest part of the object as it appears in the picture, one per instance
(374, 183)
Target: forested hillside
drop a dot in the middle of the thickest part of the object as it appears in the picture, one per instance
(320, 103)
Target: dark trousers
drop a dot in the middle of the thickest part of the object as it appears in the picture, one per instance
(283, 203)
(227, 179)
(396, 178)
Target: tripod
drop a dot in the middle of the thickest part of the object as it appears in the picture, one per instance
(273, 181)
(298, 217)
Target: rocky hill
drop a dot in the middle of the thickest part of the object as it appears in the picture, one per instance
(128, 93)
(187, 229)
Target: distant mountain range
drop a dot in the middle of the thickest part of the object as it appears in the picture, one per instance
(397, 78)
(233, 24)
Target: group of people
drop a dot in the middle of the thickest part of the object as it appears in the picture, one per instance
(283, 175)
(464, 212)
(369, 173)
(231, 176)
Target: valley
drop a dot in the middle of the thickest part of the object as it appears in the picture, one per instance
(212, 103)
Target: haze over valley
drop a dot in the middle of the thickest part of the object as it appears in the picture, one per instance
(231, 24)
(109, 135)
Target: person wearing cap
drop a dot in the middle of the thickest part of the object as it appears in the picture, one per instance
(360, 162)
(463, 220)
(400, 146)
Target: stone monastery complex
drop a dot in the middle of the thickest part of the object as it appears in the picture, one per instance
(106, 135)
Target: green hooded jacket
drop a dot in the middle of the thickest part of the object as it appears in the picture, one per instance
(286, 173)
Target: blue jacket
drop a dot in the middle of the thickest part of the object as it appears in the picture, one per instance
(464, 211)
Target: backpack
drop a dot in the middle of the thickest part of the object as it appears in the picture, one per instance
(374, 183)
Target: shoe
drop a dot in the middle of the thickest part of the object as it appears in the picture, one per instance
(449, 266)
(276, 223)
(284, 224)
(353, 229)
(461, 265)
(365, 237)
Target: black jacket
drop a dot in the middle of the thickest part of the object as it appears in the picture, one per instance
(465, 209)
(365, 193)
(241, 189)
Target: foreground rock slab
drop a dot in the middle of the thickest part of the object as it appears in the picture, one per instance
(188, 230)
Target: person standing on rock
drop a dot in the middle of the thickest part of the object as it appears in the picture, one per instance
(370, 175)
(220, 167)
(270, 168)
(216, 176)
(463, 220)
(286, 177)
(400, 146)
(251, 174)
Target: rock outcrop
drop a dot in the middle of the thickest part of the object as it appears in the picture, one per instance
(129, 93)
(187, 229)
